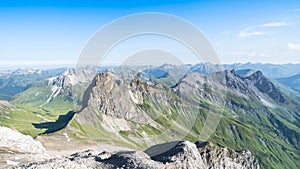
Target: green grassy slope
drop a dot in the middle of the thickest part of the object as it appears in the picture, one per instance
(271, 134)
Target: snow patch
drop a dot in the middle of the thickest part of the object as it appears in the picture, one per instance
(9, 162)
(267, 103)
(132, 97)
(67, 137)
(51, 79)
(55, 91)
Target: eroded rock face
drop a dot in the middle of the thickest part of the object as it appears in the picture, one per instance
(173, 155)
(221, 158)
(266, 86)
(115, 97)
(178, 154)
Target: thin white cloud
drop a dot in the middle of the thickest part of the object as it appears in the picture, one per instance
(294, 46)
(225, 33)
(254, 31)
(250, 32)
(257, 33)
(292, 18)
(249, 54)
(293, 10)
(274, 24)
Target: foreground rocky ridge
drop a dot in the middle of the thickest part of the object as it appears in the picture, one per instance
(14, 141)
(16, 149)
(180, 154)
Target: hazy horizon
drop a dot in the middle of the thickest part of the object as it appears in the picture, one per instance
(58, 66)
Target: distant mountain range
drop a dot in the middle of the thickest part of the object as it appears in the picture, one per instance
(14, 82)
(271, 71)
(62, 90)
(292, 81)
(140, 106)
(17, 81)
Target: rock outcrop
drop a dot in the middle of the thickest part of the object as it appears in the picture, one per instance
(16, 149)
(264, 85)
(115, 97)
(216, 157)
(173, 155)
(14, 141)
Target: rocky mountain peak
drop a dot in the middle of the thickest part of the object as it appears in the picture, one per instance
(264, 85)
(105, 80)
(253, 85)
(116, 97)
(233, 72)
(103, 76)
(72, 77)
(210, 86)
(256, 76)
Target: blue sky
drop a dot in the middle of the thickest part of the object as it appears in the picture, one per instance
(53, 32)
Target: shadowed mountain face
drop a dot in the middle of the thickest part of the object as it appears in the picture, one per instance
(59, 124)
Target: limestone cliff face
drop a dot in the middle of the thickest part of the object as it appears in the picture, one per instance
(172, 155)
(113, 97)
(119, 98)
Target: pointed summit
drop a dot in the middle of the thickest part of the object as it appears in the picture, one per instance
(264, 85)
